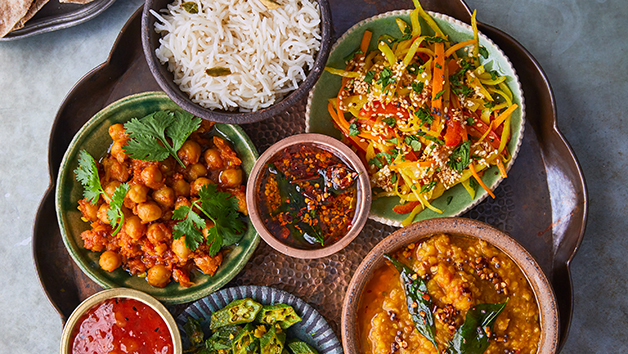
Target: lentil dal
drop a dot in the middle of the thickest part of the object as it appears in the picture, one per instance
(460, 272)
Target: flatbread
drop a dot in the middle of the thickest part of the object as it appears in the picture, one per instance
(35, 6)
(76, 1)
(11, 11)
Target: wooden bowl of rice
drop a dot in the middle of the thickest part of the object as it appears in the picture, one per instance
(236, 61)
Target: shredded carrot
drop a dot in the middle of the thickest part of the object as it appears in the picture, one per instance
(505, 114)
(437, 85)
(502, 169)
(366, 40)
(460, 45)
(477, 178)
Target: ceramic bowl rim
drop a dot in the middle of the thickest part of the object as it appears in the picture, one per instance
(543, 291)
(128, 293)
(161, 74)
(340, 150)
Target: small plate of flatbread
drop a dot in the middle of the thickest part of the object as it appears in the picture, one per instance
(23, 18)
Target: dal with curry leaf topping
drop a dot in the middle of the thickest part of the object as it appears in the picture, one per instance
(424, 113)
(448, 294)
(172, 198)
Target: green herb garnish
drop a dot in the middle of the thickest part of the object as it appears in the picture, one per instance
(440, 93)
(148, 136)
(483, 52)
(390, 121)
(431, 138)
(368, 78)
(418, 87)
(460, 157)
(386, 77)
(423, 113)
(114, 213)
(353, 129)
(221, 208)
(414, 142)
(428, 187)
(190, 6)
(218, 71)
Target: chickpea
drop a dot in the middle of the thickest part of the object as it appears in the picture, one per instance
(158, 232)
(198, 184)
(152, 176)
(134, 228)
(159, 275)
(148, 211)
(117, 132)
(213, 159)
(195, 171)
(181, 188)
(89, 210)
(168, 166)
(190, 152)
(164, 196)
(115, 170)
(181, 201)
(109, 261)
(231, 178)
(117, 150)
(102, 213)
(179, 248)
(110, 189)
(137, 193)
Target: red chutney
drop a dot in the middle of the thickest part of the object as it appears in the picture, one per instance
(307, 196)
(121, 326)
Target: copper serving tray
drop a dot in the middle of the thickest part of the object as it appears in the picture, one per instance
(543, 203)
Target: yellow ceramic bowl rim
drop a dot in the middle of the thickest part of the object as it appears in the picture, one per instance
(99, 297)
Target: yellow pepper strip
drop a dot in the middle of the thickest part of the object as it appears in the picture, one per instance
(421, 164)
(401, 24)
(493, 82)
(370, 151)
(501, 93)
(505, 135)
(467, 185)
(438, 84)
(502, 169)
(366, 40)
(419, 195)
(460, 45)
(486, 116)
(426, 51)
(354, 103)
(390, 56)
(412, 51)
(505, 89)
(428, 19)
(407, 221)
(475, 82)
(498, 107)
(476, 47)
(505, 114)
(414, 20)
(343, 73)
(368, 62)
(477, 178)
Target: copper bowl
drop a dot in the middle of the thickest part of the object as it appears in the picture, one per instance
(73, 320)
(337, 148)
(545, 298)
(165, 78)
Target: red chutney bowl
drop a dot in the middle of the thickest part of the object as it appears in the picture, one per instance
(121, 320)
(313, 165)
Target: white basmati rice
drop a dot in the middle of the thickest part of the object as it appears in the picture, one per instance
(266, 50)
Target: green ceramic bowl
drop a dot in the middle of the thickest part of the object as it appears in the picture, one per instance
(94, 138)
(456, 200)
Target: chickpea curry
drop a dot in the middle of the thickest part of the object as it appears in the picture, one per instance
(307, 196)
(448, 294)
(163, 204)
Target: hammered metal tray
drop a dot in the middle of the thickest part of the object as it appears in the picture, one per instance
(55, 16)
(543, 203)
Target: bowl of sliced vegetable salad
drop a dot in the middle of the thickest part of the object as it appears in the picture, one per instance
(433, 108)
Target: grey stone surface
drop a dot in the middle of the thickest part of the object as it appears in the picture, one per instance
(579, 43)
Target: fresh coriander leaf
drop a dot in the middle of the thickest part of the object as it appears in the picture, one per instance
(440, 93)
(148, 135)
(180, 129)
(368, 78)
(489, 104)
(386, 77)
(114, 213)
(459, 158)
(418, 87)
(392, 141)
(435, 39)
(449, 199)
(413, 68)
(390, 121)
(353, 129)
(87, 174)
(428, 187)
(431, 138)
(494, 74)
(222, 209)
(483, 52)
(423, 113)
(375, 161)
(352, 55)
(393, 179)
(413, 187)
(438, 65)
(403, 38)
(470, 121)
(388, 157)
(414, 142)
(189, 227)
